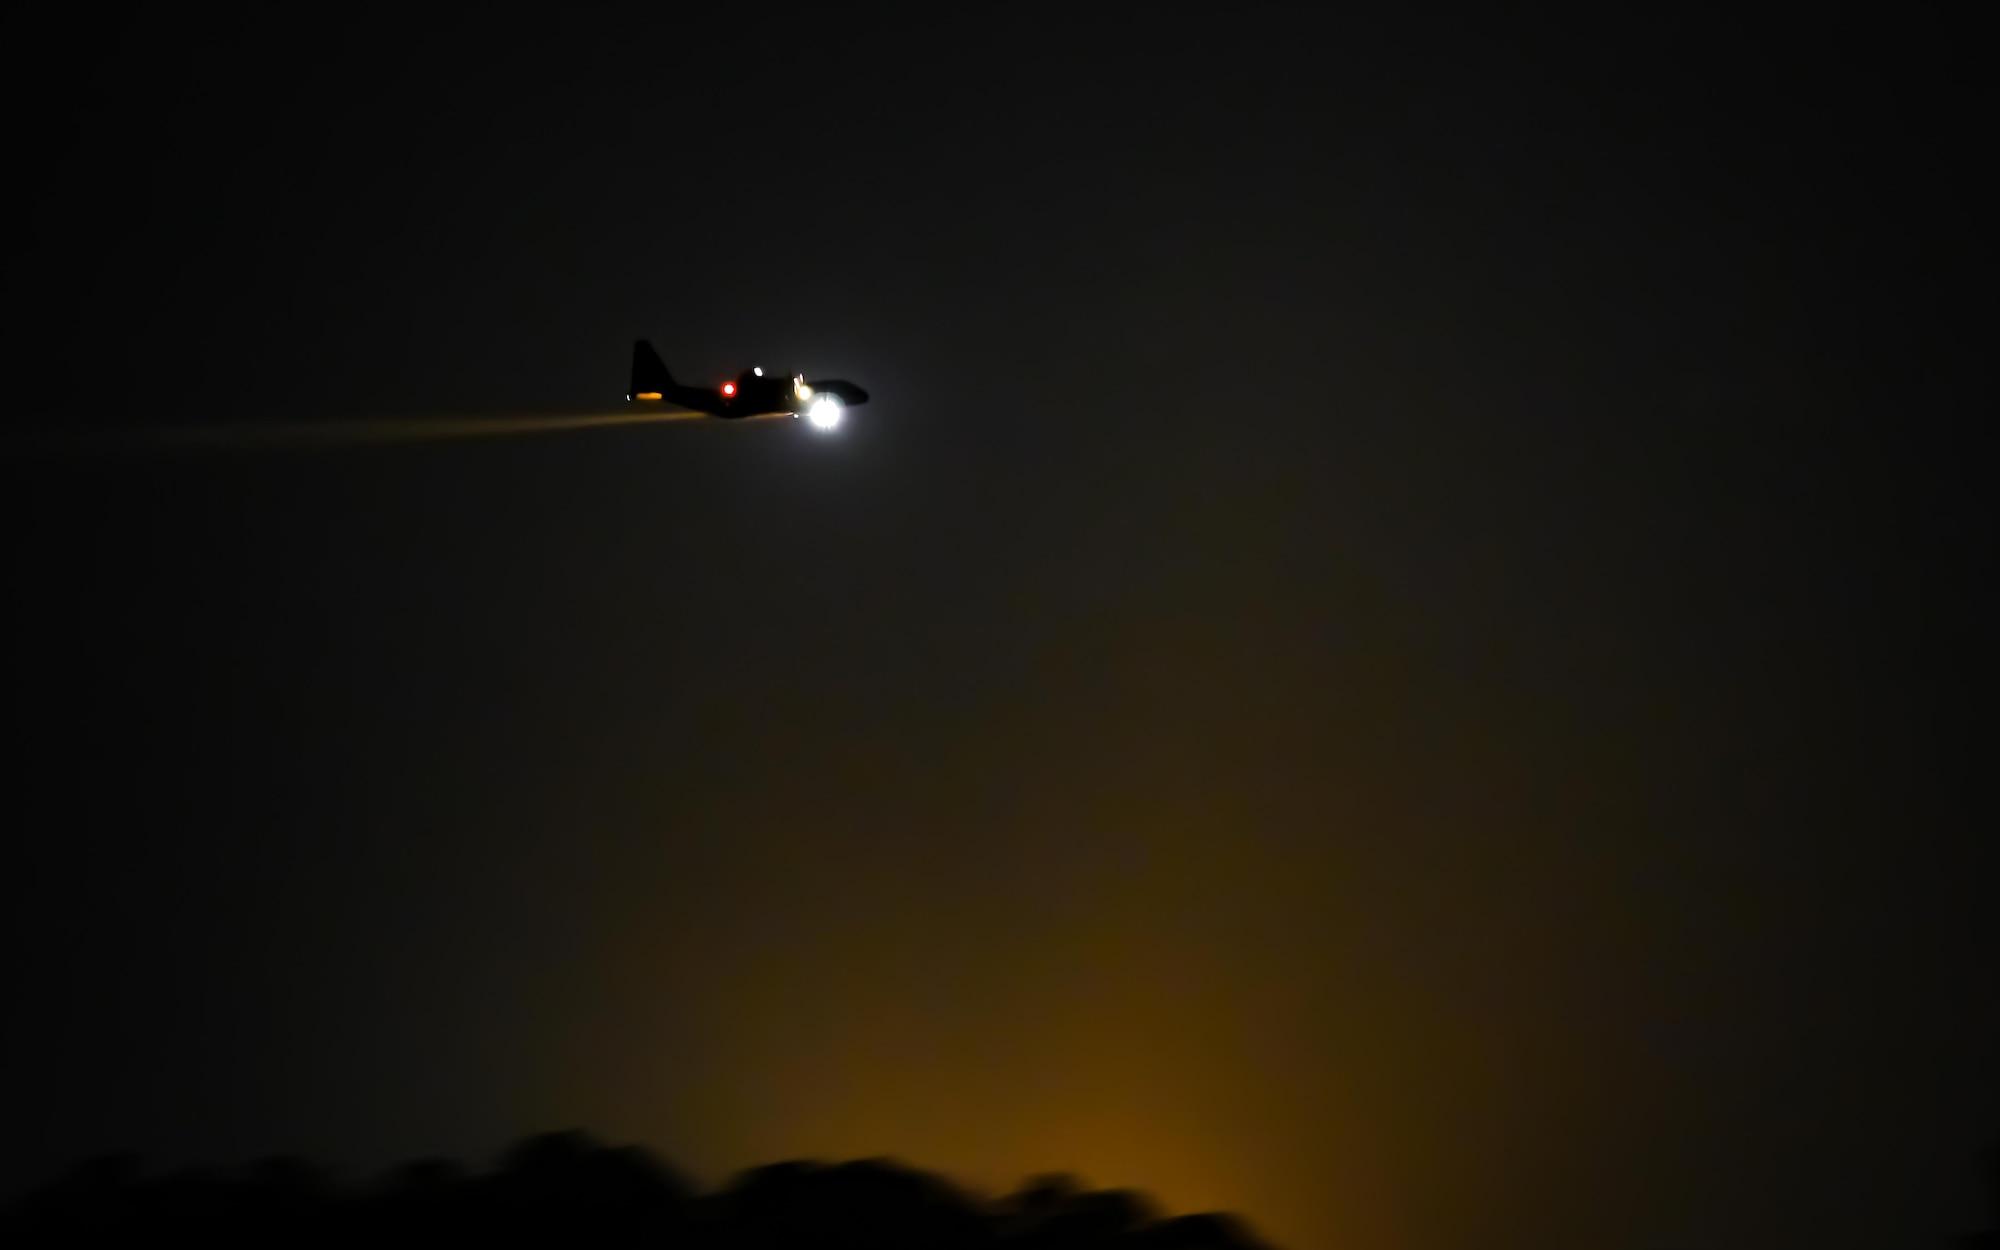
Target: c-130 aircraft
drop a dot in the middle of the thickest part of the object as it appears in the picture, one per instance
(753, 394)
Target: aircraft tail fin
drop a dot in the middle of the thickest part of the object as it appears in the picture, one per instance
(650, 378)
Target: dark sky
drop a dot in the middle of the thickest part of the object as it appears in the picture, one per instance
(1405, 646)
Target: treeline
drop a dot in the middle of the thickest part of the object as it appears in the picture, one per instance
(563, 1189)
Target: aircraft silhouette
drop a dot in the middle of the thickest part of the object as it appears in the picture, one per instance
(753, 394)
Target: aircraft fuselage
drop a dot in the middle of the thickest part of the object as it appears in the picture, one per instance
(755, 392)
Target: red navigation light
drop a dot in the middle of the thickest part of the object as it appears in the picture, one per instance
(729, 388)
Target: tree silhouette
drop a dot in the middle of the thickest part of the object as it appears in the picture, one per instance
(566, 1189)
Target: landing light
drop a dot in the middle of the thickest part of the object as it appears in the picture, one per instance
(825, 412)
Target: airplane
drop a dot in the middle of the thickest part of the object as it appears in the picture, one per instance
(754, 393)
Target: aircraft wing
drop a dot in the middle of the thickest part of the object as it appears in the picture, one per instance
(845, 392)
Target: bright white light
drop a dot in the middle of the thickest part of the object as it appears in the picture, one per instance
(825, 412)
(758, 370)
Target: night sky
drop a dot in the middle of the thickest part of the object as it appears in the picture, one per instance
(1405, 646)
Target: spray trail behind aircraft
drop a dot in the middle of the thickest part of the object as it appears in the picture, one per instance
(400, 429)
(301, 435)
